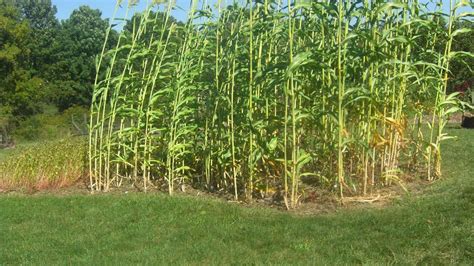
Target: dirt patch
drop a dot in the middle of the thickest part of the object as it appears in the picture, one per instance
(313, 201)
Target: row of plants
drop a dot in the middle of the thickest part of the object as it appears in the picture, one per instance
(253, 97)
(44, 165)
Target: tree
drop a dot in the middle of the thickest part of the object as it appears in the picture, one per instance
(20, 91)
(18, 88)
(41, 16)
(79, 41)
(155, 22)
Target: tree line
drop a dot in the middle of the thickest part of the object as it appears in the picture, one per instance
(46, 63)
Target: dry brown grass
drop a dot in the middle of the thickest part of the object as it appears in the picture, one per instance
(45, 165)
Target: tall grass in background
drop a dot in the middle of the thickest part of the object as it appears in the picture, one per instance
(44, 165)
(258, 97)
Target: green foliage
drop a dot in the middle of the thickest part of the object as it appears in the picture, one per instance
(5, 118)
(41, 17)
(52, 125)
(16, 84)
(44, 62)
(462, 68)
(257, 96)
(79, 41)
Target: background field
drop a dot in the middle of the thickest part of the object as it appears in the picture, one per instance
(435, 228)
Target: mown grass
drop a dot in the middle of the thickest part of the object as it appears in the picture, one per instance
(436, 228)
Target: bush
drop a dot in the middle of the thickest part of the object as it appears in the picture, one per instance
(52, 125)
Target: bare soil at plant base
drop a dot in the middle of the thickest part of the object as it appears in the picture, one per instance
(313, 201)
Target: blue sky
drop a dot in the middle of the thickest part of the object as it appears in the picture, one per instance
(65, 7)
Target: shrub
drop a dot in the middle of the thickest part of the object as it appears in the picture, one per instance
(52, 125)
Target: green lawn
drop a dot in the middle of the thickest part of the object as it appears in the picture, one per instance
(436, 228)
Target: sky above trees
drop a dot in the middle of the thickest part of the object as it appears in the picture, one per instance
(65, 7)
